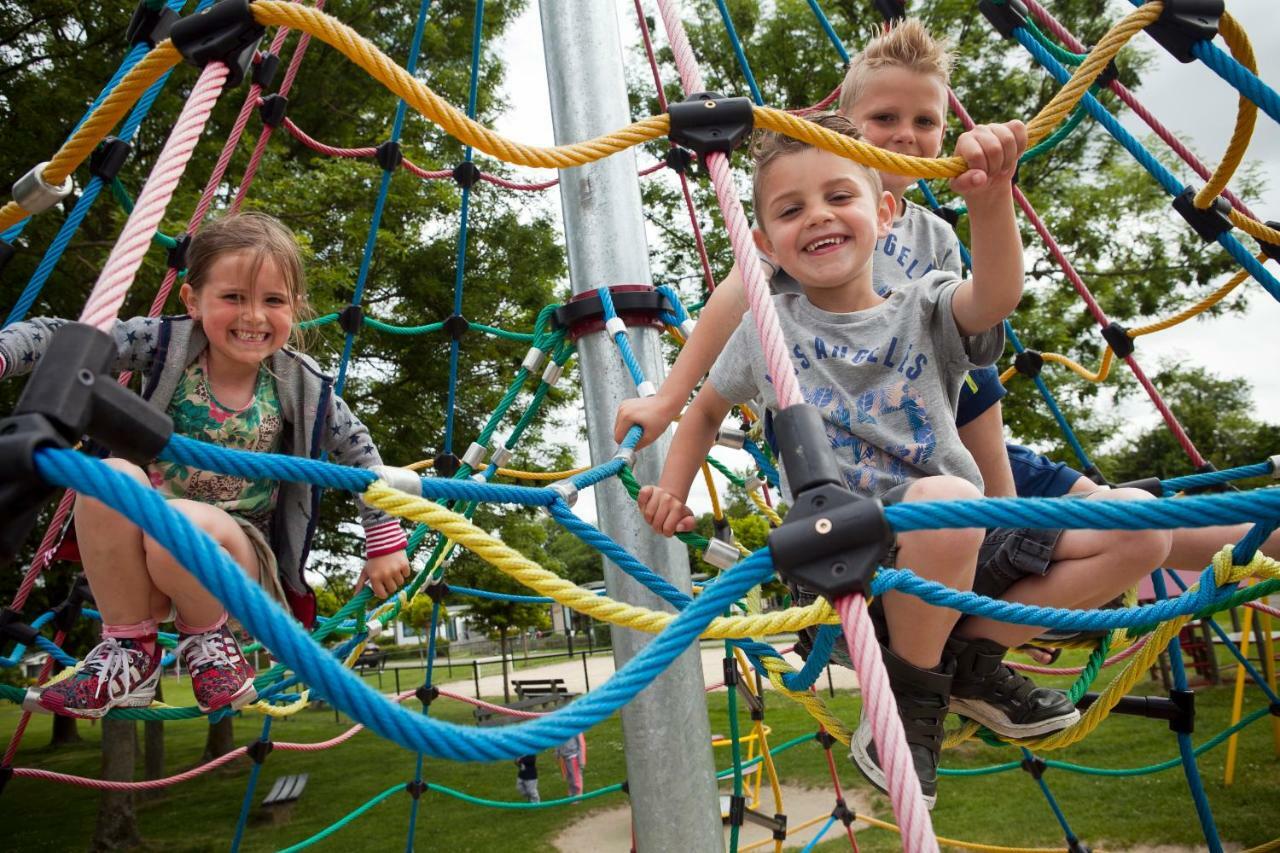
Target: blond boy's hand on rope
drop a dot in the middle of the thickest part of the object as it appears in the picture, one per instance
(386, 573)
(991, 152)
(665, 512)
(653, 414)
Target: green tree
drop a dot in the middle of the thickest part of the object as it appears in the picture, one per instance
(1217, 410)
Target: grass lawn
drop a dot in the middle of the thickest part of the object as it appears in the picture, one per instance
(999, 809)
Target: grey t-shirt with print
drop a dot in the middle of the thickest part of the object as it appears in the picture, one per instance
(919, 243)
(885, 379)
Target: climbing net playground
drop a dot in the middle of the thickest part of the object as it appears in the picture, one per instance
(226, 45)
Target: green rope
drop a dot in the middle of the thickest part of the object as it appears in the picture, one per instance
(1061, 133)
(122, 196)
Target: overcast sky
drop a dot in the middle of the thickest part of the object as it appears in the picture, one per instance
(1189, 99)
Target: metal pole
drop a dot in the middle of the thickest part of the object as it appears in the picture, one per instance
(670, 766)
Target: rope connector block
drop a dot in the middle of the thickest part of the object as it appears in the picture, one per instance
(437, 590)
(567, 491)
(1117, 337)
(225, 32)
(1183, 23)
(780, 827)
(401, 479)
(721, 529)
(1184, 720)
(351, 318)
(66, 614)
(148, 25)
(1207, 223)
(679, 160)
(426, 695)
(273, 109)
(68, 396)
(1075, 845)
(825, 738)
(456, 326)
(1274, 709)
(465, 174)
(264, 70)
(708, 121)
(1271, 250)
(843, 813)
(891, 10)
(737, 809)
(13, 628)
(721, 554)
(1004, 15)
(389, 155)
(34, 195)
(416, 788)
(1034, 766)
(259, 750)
(446, 464)
(1029, 363)
(177, 256)
(108, 158)
(832, 540)
(1109, 75)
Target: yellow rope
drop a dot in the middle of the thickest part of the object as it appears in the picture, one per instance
(76, 149)
(1246, 115)
(521, 568)
(766, 510)
(1199, 308)
(951, 842)
(1104, 369)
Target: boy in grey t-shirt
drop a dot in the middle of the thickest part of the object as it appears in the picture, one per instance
(885, 374)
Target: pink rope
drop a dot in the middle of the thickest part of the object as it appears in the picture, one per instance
(126, 256)
(1051, 23)
(1076, 670)
(1092, 304)
(316, 145)
(1263, 608)
(44, 554)
(821, 105)
(12, 750)
(879, 705)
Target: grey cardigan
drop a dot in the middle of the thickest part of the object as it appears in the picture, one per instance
(317, 420)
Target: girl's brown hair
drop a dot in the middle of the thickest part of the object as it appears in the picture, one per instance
(261, 235)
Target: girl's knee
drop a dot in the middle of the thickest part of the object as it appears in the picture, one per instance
(941, 488)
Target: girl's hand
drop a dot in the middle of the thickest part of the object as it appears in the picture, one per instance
(386, 573)
(664, 512)
(653, 414)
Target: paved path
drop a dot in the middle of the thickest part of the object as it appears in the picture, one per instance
(600, 667)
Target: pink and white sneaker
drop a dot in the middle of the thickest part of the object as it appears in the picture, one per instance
(220, 674)
(118, 673)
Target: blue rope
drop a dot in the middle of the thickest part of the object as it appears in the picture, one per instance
(215, 570)
(829, 30)
(1185, 749)
(620, 338)
(1148, 161)
(813, 842)
(1195, 481)
(762, 462)
(384, 188)
(738, 52)
(1049, 798)
(247, 803)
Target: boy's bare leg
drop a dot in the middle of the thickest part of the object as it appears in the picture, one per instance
(112, 554)
(1090, 567)
(917, 630)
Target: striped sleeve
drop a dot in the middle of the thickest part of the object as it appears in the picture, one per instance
(384, 538)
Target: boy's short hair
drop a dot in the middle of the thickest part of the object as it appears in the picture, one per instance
(769, 145)
(907, 44)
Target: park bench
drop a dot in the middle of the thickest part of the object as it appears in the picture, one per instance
(278, 803)
(551, 696)
(526, 687)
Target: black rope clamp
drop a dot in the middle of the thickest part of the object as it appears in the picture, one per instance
(68, 612)
(1274, 709)
(177, 258)
(273, 109)
(446, 464)
(351, 318)
(465, 174)
(1271, 250)
(708, 121)
(456, 326)
(737, 809)
(1075, 845)
(13, 628)
(722, 530)
(843, 813)
(7, 251)
(68, 396)
(264, 70)
(731, 673)
(259, 750)
(1182, 23)
(679, 160)
(1029, 363)
(779, 827)
(108, 158)
(426, 695)
(437, 589)
(150, 25)
(832, 540)
(225, 32)
(825, 738)
(1147, 484)
(1094, 474)
(1034, 766)
(417, 788)
(1208, 223)
(389, 155)
(6, 773)
(891, 10)
(1004, 15)
(1108, 76)
(636, 304)
(1184, 720)
(1117, 337)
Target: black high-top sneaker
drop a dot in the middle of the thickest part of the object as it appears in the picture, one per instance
(922, 696)
(990, 692)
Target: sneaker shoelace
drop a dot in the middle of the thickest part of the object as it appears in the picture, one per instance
(204, 651)
(109, 661)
